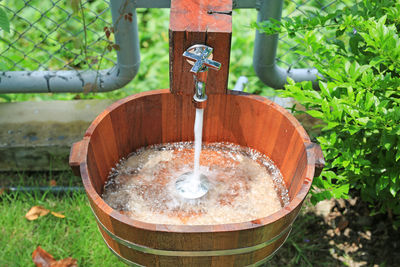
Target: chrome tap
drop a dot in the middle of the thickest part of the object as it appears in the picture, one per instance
(200, 56)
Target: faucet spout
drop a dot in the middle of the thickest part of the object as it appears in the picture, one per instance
(200, 96)
(200, 56)
(200, 91)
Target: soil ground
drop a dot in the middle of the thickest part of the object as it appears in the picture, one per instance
(340, 233)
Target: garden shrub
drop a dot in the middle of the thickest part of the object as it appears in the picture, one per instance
(358, 100)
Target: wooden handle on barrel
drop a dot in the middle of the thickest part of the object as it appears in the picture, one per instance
(76, 156)
(319, 160)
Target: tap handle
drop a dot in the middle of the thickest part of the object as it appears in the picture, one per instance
(201, 58)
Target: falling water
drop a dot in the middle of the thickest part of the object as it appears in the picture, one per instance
(198, 136)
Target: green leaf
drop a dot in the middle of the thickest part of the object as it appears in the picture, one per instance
(387, 141)
(369, 101)
(354, 43)
(340, 44)
(393, 191)
(376, 61)
(4, 22)
(331, 125)
(345, 163)
(353, 129)
(398, 154)
(397, 130)
(350, 93)
(315, 113)
(324, 89)
(382, 183)
(317, 197)
(382, 21)
(329, 174)
(341, 191)
(363, 120)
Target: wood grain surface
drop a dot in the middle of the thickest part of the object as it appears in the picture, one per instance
(158, 117)
(199, 22)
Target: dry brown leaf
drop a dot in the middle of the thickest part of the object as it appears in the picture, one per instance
(343, 224)
(42, 258)
(58, 215)
(2, 190)
(67, 262)
(35, 212)
(53, 182)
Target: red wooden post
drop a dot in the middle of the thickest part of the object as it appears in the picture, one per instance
(199, 22)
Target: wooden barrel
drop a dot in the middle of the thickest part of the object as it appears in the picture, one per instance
(158, 117)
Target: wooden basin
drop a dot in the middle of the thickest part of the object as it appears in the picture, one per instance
(158, 117)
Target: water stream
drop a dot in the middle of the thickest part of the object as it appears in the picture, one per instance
(198, 137)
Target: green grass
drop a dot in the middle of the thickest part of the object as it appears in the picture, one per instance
(77, 235)
(74, 236)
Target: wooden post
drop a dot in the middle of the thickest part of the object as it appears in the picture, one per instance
(199, 22)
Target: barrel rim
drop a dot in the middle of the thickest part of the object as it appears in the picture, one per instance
(293, 204)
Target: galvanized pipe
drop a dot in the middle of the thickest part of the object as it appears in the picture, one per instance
(128, 61)
(265, 47)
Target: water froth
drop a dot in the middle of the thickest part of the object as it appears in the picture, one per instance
(244, 185)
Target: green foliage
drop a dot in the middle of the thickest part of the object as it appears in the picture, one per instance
(4, 23)
(358, 102)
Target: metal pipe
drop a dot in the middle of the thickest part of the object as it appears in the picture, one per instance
(265, 47)
(240, 84)
(236, 4)
(128, 61)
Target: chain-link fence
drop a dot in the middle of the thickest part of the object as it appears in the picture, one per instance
(50, 34)
(286, 57)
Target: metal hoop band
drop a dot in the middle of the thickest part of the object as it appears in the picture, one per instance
(204, 253)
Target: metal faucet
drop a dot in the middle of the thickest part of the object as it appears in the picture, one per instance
(200, 56)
